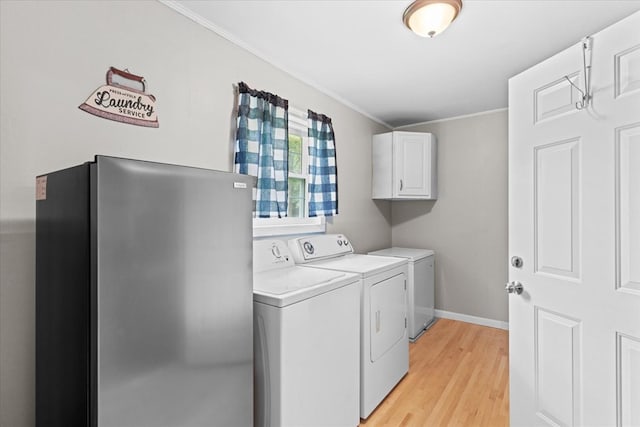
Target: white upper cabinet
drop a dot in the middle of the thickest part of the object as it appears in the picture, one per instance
(404, 166)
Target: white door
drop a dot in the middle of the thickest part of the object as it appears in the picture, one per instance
(412, 156)
(574, 220)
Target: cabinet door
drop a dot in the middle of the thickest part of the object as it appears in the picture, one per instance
(412, 155)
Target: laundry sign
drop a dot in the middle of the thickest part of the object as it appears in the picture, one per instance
(123, 99)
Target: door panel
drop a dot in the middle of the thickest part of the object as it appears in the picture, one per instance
(556, 98)
(557, 208)
(627, 71)
(628, 380)
(557, 368)
(412, 153)
(388, 315)
(174, 296)
(628, 208)
(574, 219)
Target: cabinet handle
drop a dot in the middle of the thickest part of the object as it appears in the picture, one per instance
(400, 185)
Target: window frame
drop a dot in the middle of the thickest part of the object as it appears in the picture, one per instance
(264, 227)
(299, 127)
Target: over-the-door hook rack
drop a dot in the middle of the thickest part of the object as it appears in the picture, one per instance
(586, 69)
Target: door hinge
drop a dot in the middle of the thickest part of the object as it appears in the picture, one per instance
(405, 284)
(405, 323)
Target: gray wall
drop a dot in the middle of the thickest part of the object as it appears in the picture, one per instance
(53, 55)
(467, 224)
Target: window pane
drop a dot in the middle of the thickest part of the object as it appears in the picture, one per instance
(295, 163)
(294, 208)
(296, 197)
(295, 153)
(294, 189)
(295, 143)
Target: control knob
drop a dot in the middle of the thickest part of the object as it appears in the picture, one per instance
(275, 250)
(308, 247)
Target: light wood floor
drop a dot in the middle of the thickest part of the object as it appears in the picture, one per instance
(458, 376)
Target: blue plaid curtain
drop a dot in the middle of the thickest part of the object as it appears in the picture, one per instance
(323, 172)
(262, 149)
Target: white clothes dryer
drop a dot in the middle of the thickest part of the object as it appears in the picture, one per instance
(306, 351)
(420, 287)
(384, 344)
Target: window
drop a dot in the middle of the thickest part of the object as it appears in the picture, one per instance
(298, 166)
(297, 221)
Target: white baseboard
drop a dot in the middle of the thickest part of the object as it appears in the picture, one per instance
(472, 319)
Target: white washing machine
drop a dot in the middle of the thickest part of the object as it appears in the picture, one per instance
(420, 287)
(306, 351)
(384, 344)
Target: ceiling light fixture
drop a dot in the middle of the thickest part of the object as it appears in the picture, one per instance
(428, 18)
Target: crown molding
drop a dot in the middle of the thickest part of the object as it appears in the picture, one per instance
(181, 9)
(464, 116)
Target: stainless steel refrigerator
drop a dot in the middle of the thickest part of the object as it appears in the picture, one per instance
(143, 296)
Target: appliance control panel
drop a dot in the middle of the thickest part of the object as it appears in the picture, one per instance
(270, 255)
(310, 248)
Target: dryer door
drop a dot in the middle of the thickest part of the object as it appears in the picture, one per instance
(388, 318)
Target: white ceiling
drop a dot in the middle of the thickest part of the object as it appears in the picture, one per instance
(361, 53)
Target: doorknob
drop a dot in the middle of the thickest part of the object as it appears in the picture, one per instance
(514, 288)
